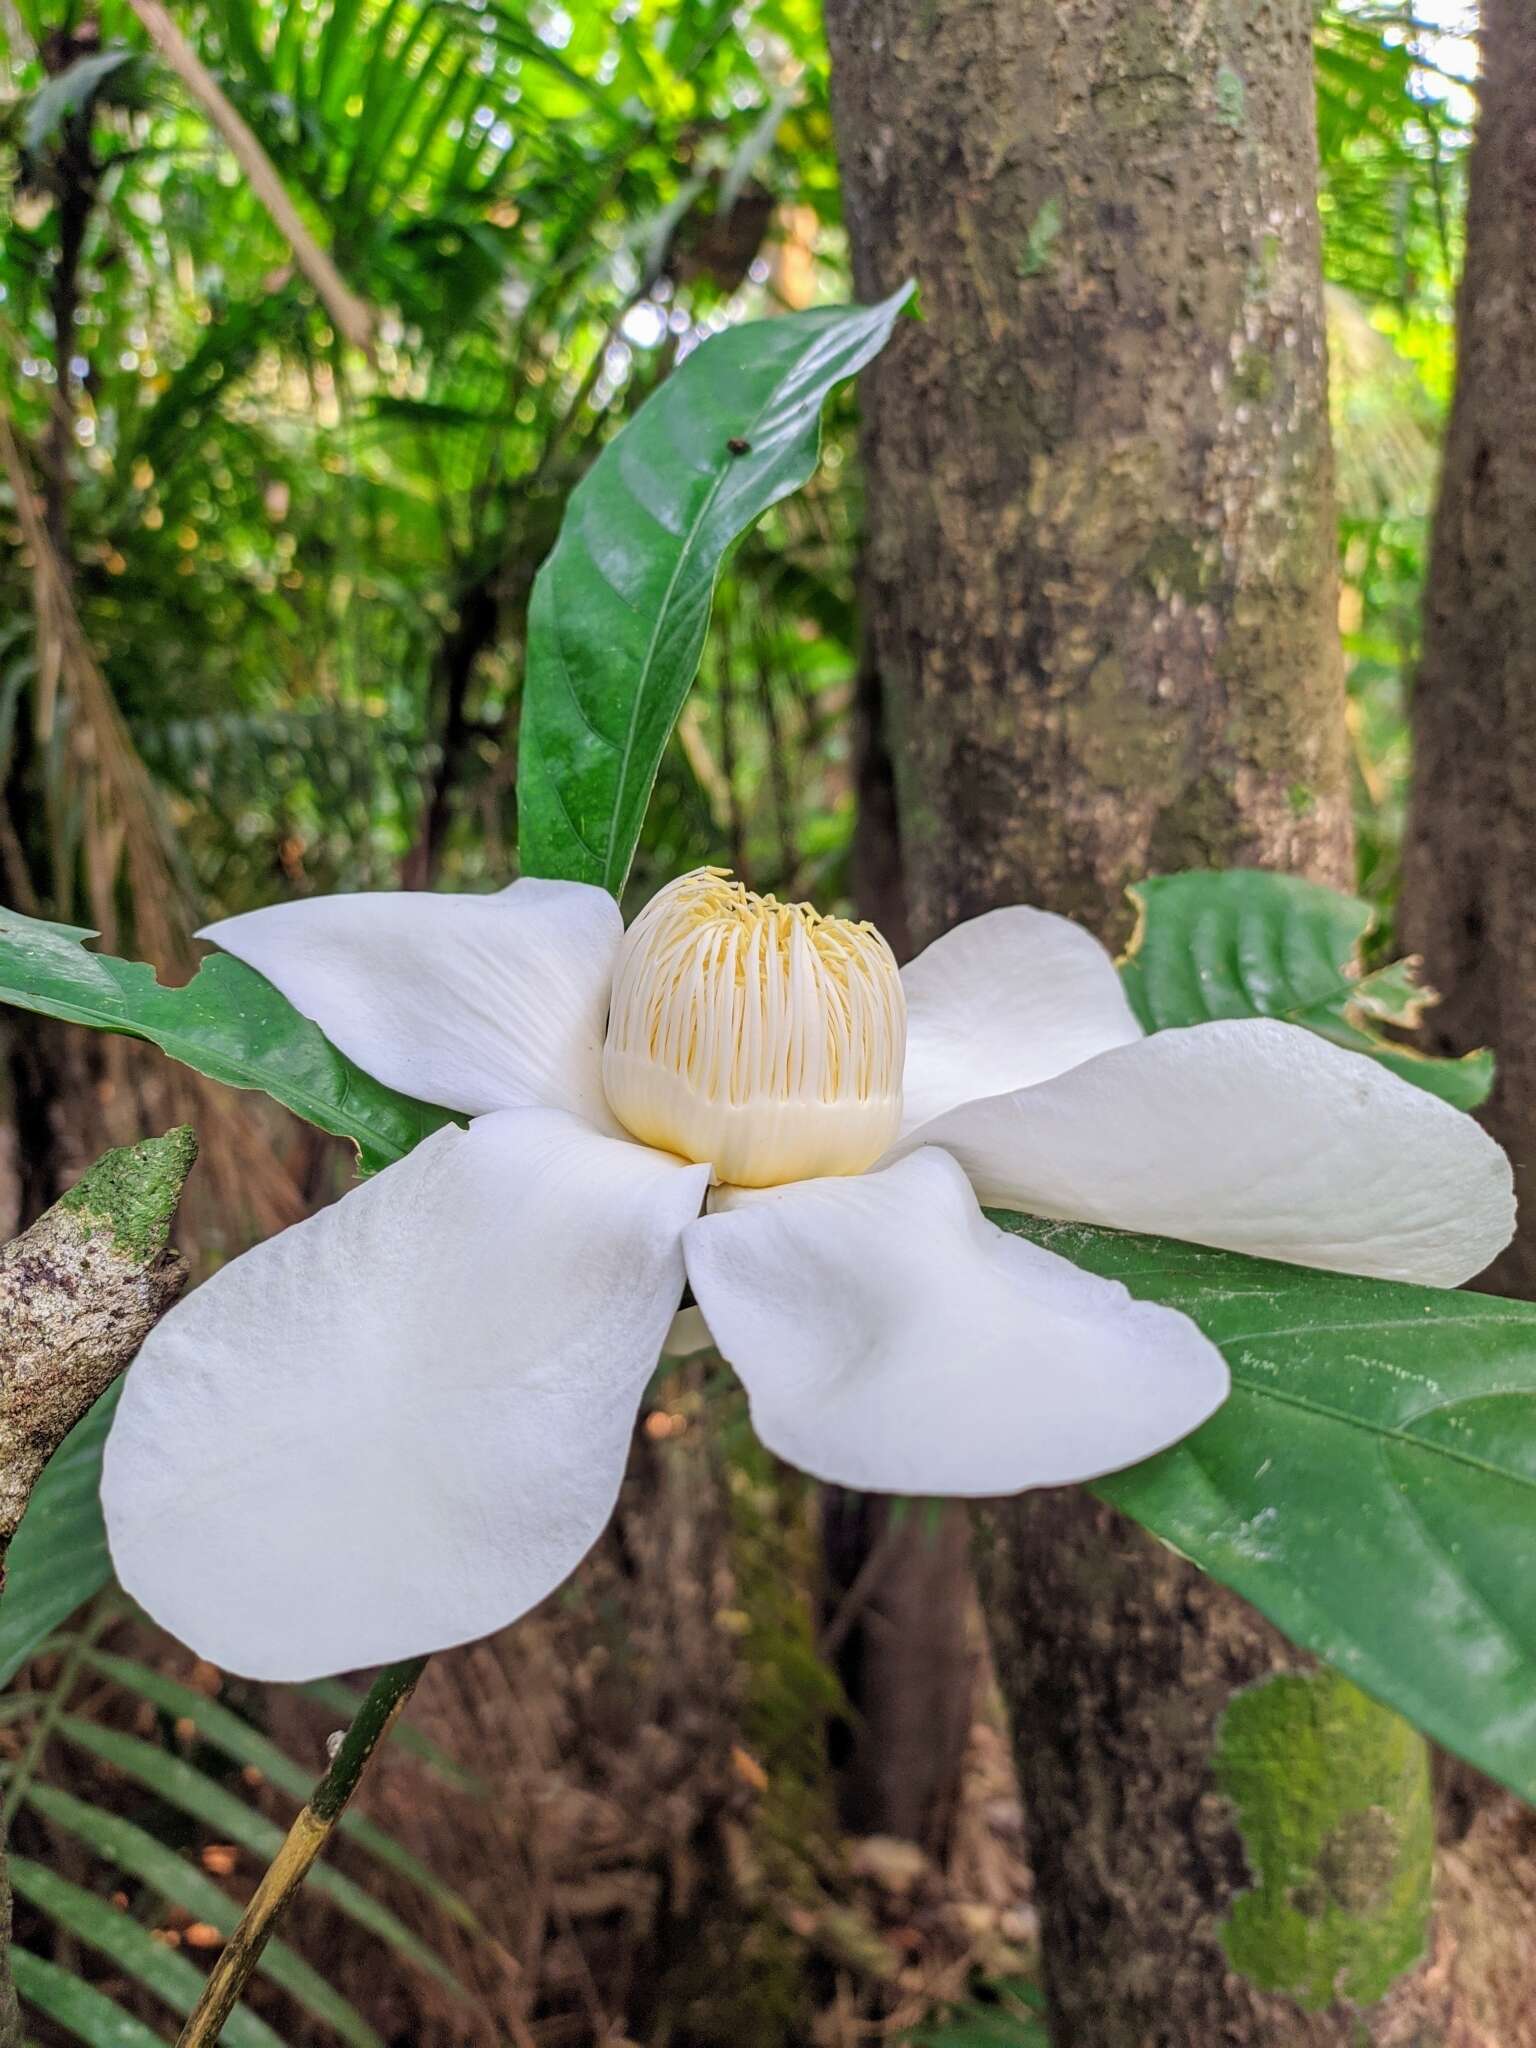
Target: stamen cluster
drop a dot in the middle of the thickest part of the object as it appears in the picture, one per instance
(756, 1035)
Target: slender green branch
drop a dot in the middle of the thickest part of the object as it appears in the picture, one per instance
(305, 1840)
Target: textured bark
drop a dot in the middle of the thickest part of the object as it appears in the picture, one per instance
(1120, 1664)
(1101, 530)
(79, 1292)
(1468, 900)
(1469, 862)
(1101, 556)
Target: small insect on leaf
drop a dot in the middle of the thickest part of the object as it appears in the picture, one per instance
(738, 446)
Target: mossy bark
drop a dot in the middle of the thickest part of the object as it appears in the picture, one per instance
(79, 1292)
(1101, 569)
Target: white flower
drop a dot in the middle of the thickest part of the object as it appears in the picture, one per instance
(401, 1423)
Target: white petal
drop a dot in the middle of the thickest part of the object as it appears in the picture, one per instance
(399, 1424)
(1008, 999)
(474, 1002)
(1255, 1136)
(891, 1338)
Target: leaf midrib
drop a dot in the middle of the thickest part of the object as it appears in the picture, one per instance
(638, 695)
(1387, 1432)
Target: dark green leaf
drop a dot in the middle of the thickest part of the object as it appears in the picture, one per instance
(58, 1556)
(175, 1780)
(100, 1925)
(244, 1744)
(1371, 1483)
(79, 2008)
(139, 1855)
(1010, 2019)
(620, 608)
(228, 1022)
(1249, 944)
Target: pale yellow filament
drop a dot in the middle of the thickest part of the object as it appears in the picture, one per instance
(756, 1036)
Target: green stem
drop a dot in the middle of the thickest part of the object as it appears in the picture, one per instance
(309, 1834)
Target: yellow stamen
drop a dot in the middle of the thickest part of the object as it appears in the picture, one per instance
(756, 1036)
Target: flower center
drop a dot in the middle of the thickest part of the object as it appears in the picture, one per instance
(755, 1036)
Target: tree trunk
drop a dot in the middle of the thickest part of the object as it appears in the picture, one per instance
(1102, 555)
(1469, 859)
(898, 1610)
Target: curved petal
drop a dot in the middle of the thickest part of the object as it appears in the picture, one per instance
(1006, 1000)
(399, 1424)
(1254, 1136)
(474, 1002)
(891, 1338)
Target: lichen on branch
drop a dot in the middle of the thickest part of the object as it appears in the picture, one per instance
(79, 1292)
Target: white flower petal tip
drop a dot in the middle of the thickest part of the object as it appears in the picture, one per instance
(1253, 1136)
(1005, 1000)
(891, 1338)
(400, 1424)
(473, 1002)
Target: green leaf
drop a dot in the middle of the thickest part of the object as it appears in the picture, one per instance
(102, 1926)
(619, 610)
(227, 1022)
(58, 1556)
(1370, 1485)
(78, 2007)
(173, 1779)
(1249, 944)
(238, 1740)
(131, 1850)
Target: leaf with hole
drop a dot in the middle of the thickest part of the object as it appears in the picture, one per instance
(227, 1022)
